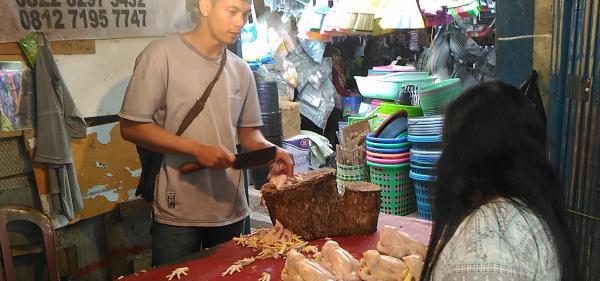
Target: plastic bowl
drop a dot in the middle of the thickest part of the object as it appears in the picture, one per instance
(402, 139)
(397, 166)
(388, 145)
(406, 76)
(436, 96)
(435, 139)
(388, 108)
(441, 86)
(426, 152)
(388, 156)
(387, 87)
(375, 88)
(388, 161)
(388, 150)
(416, 176)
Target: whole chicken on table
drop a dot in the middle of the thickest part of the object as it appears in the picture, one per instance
(339, 262)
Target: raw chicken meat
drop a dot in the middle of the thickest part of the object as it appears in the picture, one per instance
(271, 242)
(398, 244)
(278, 181)
(282, 182)
(299, 268)
(377, 267)
(415, 265)
(339, 262)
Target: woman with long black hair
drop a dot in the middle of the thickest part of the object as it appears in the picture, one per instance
(498, 208)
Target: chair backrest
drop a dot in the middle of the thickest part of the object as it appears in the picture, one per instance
(9, 213)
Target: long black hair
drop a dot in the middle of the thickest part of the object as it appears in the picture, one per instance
(494, 147)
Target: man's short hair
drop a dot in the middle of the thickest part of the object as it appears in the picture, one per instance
(247, 1)
(194, 10)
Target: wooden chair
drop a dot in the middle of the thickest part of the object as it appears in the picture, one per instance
(9, 213)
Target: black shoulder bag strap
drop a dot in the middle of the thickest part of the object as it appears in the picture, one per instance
(201, 101)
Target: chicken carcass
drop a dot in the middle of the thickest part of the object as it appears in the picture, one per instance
(377, 267)
(398, 244)
(299, 268)
(282, 182)
(415, 265)
(339, 262)
(278, 181)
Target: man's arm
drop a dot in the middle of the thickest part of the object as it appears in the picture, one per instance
(158, 139)
(251, 138)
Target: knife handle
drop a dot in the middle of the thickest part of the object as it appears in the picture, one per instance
(189, 168)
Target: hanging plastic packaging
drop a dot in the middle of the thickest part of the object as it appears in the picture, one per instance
(303, 64)
(29, 46)
(314, 49)
(321, 73)
(317, 104)
(249, 32)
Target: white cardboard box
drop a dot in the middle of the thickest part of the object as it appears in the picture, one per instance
(299, 146)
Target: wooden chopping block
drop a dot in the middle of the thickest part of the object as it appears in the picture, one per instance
(312, 207)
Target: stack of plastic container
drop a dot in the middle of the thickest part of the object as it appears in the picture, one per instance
(425, 135)
(387, 109)
(272, 130)
(388, 160)
(271, 115)
(435, 97)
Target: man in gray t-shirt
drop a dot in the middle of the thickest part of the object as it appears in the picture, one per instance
(206, 207)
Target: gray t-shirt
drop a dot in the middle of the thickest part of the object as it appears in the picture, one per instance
(170, 74)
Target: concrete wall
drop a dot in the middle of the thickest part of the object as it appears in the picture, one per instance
(106, 244)
(98, 82)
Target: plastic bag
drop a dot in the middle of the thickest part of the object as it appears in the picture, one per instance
(321, 73)
(314, 49)
(317, 104)
(249, 32)
(303, 65)
(29, 46)
(531, 89)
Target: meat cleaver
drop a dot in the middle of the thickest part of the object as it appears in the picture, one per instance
(247, 160)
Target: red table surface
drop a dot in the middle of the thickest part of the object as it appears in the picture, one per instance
(210, 267)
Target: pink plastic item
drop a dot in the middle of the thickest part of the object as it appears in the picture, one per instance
(388, 161)
(388, 156)
(395, 68)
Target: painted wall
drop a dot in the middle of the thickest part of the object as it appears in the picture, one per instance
(97, 82)
(108, 238)
(108, 169)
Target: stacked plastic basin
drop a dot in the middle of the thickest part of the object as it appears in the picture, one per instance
(387, 109)
(435, 97)
(271, 115)
(272, 129)
(387, 87)
(425, 135)
(388, 160)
